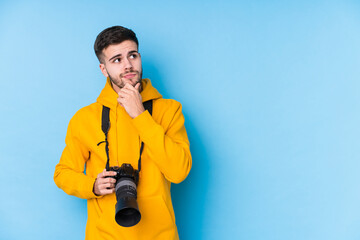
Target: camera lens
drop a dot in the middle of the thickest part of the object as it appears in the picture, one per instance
(127, 212)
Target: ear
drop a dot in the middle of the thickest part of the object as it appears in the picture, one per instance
(103, 70)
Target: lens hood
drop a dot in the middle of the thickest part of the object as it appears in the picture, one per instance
(127, 212)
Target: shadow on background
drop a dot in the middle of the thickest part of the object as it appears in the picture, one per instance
(189, 197)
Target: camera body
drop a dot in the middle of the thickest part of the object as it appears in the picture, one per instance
(125, 171)
(127, 212)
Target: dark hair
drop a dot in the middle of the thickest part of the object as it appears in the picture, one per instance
(113, 35)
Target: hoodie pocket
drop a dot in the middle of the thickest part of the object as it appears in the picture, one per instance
(156, 219)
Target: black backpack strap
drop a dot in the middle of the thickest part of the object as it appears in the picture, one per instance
(148, 106)
(105, 121)
(105, 126)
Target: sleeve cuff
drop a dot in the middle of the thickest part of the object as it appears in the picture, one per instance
(91, 187)
(145, 125)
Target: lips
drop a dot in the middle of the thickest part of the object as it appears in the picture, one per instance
(129, 75)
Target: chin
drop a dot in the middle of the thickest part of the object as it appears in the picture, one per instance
(133, 82)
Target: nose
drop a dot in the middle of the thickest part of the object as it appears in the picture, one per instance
(127, 64)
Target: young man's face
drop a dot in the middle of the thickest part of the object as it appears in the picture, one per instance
(122, 64)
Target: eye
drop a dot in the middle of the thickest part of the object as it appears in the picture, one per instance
(117, 60)
(133, 56)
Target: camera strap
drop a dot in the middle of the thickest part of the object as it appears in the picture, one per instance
(105, 126)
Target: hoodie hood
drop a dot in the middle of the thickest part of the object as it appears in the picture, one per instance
(108, 96)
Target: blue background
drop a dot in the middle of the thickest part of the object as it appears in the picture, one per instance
(270, 92)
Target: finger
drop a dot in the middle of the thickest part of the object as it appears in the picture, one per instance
(106, 191)
(129, 86)
(109, 191)
(105, 174)
(100, 175)
(109, 173)
(104, 181)
(122, 95)
(106, 186)
(110, 186)
(109, 180)
(125, 93)
(137, 86)
(100, 182)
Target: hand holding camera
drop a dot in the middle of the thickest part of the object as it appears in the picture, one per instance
(127, 212)
(105, 183)
(122, 180)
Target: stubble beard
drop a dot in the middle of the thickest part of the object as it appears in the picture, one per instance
(120, 83)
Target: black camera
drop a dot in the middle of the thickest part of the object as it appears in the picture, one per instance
(127, 212)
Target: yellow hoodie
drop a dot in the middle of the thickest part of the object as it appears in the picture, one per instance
(166, 158)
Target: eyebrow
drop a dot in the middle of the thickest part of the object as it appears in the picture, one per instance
(119, 55)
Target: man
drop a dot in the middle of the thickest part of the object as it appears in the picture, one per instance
(165, 157)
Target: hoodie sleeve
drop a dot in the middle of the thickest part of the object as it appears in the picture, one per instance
(167, 144)
(69, 172)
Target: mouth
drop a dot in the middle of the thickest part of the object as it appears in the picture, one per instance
(129, 75)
